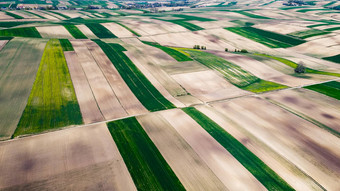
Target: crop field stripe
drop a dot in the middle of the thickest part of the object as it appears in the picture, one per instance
(270, 39)
(21, 32)
(187, 25)
(52, 102)
(308, 33)
(330, 89)
(180, 57)
(66, 45)
(239, 77)
(251, 162)
(332, 29)
(147, 167)
(127, 28)
(335, 58)
(100, 31)
(294, 65)
(14, 15)
(60, 14)
(145, 92)
(35, 14)
(75, 32)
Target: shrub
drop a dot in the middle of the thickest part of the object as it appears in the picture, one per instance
(244, 51)
(300, 68)
(226, 49)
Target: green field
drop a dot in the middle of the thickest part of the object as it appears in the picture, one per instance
(332, 29)
(21, 32)
(145, 163)
(19, 64)
(14, 15)
(335, 58)
(186, 25)
(180, 57)
(331, 89)
(75, 32)
(308, 10)
(100, 31)
(270, 39)
(251, 162)
(66, 45)
(14, 24)
(192, 18)
(146, 93)
(233, 73)
(251, 15)
(294, 65)
(52, 102)
(308, 33)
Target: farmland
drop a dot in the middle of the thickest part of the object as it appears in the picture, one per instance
(180, 95)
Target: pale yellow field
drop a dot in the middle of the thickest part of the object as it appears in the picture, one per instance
(54, 32)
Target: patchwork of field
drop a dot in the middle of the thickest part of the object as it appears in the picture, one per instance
(211, 96)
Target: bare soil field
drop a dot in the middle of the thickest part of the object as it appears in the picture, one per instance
(191, 170)
(315, 105)
(280, 27)
(208, 86)
(312, 149)
(87, 103)
(19, 63)
(106, 98)
(125, 96)
(263, 71)
(44, 15)
(2, 44)
(86, 31)
(54, 32)
(232, 174)
(64, 158)
(285, 169)
(118, 30)
(4, 16)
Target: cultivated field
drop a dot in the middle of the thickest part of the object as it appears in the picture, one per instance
(180, 95)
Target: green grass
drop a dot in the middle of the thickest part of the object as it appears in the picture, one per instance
(145, 92)
(21, 32)
(233, 73)
(127, 28)
(251, 162)
(329, 4)
(100, 31)
(331, 89)
(147, 167)
(308, 33)
(52, 102)
(270, 39)
(75, 32)
(335, 58)
(308, 10)
(294, 65)
(192, 18)
(292, 7)
(180, 57)
(66, 45)
(60, 14)
(14, 15)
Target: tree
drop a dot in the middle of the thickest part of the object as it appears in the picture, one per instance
(300, 68)
(226, 49)
(244, 51)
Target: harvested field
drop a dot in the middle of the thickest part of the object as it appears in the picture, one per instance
(305, 102)
(231, 173)
(52, 102)
(4, 16)
(87, 103)
(285, 169)
(262, 71)
(300, 144)
(191, 170)
(19, 64)
(77, 158)
(2, 44)
(282, 28)
(208, 86)
(54, 32)
(118, 30)
(125, 96)
(251, 162)
(106, 99)
(145, 163)
(183, 67)
(43, 14)
(86, 31)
